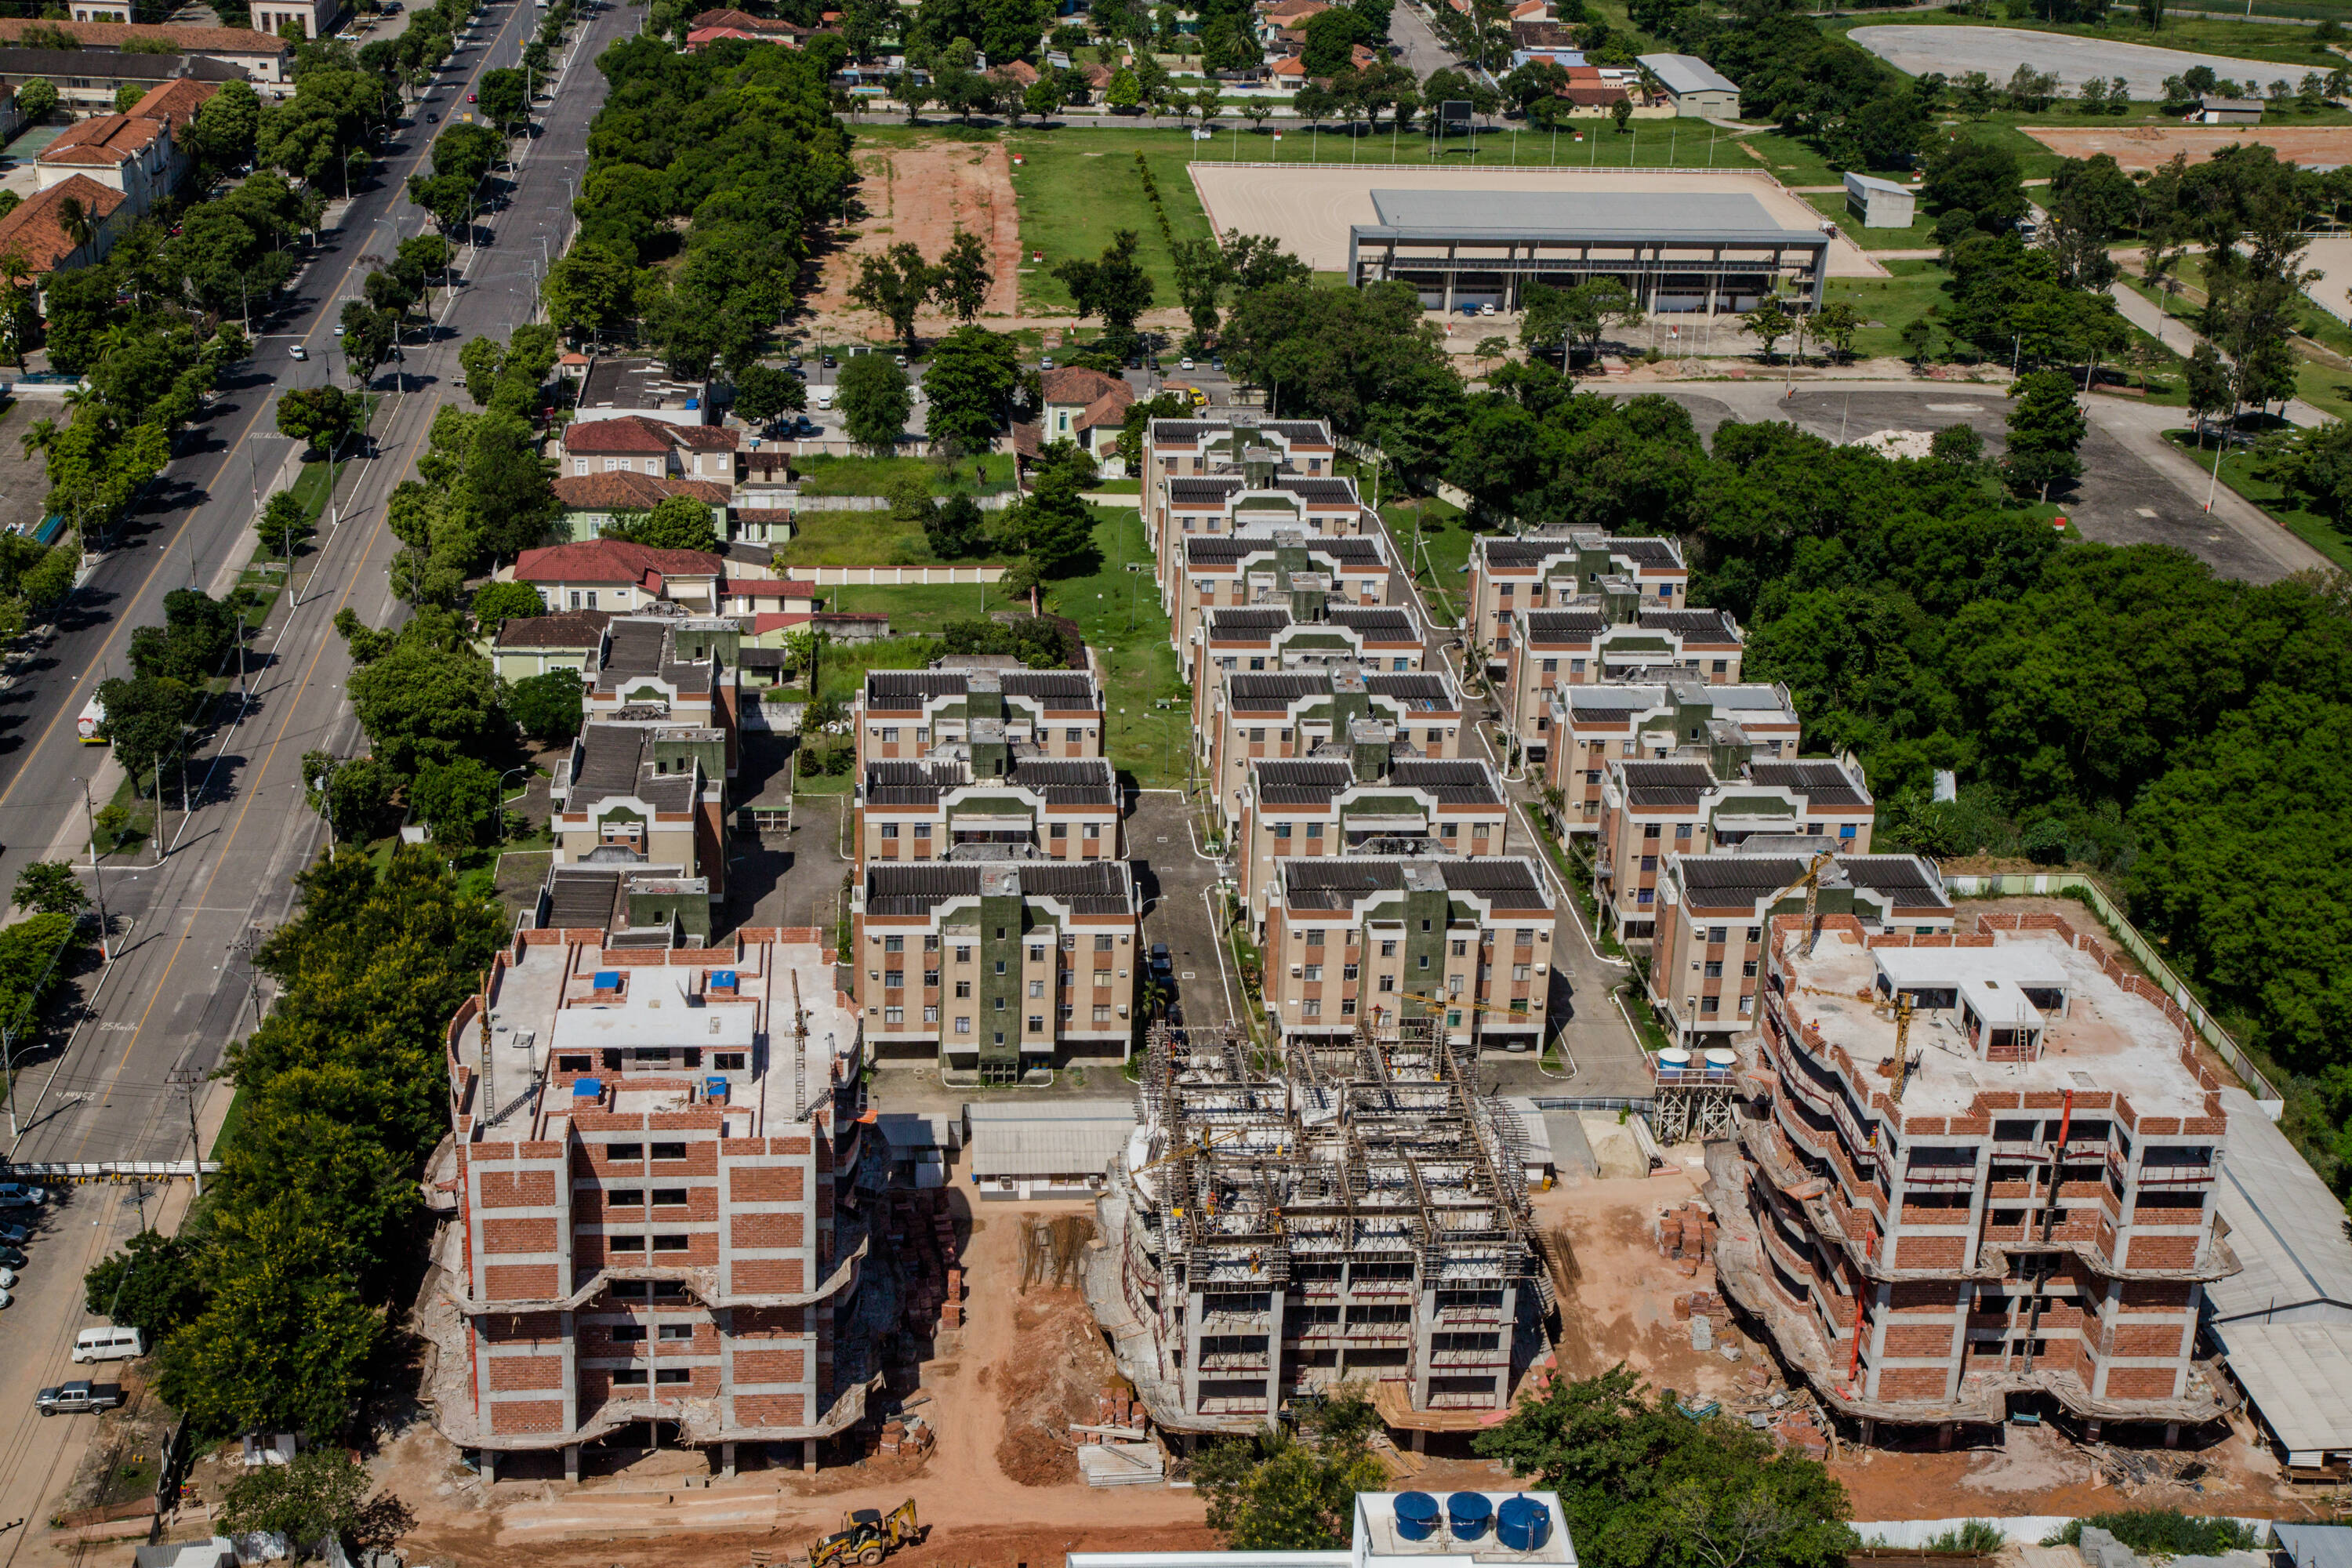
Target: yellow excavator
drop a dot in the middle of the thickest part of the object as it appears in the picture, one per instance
(866, 1537)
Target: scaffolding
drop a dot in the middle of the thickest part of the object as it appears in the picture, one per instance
(1322, 1213)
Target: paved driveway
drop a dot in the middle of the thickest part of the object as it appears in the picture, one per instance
(1999, 51)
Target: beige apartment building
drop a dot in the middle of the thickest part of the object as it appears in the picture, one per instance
(1351, 572)
(999, 970)
(1512, 576)
(989, 805)
(905, 715)
(1594, 642)
(1306, 635)
(1196, 448)
(1367, 797)
(650, 1147)
(1589, 725)
(1708, 944)
(1708, 798)
(647, 794)
(1375, 939)
(1252, 715)
(1982, 1179)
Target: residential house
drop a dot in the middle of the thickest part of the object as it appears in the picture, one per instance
(563, 639)
(308, 18)
(37, 234)
(133, 152)
(672, 671)
(617, 388)
(1086, 407)
(618, 575)
(591, 501)
(263, 56)
(640, 444)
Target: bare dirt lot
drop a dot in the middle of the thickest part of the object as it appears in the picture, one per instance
(1311, 209)
(2152, 146)
(922, 196)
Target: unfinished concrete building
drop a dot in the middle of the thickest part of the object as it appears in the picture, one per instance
(1355, 1212)
(1983, 1175)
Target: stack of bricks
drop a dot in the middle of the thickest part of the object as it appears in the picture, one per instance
(1116, 1407)
(922, 1235)
(1701, 1304)
(905, 1434)
(1802, 1433)
(1687, 1236)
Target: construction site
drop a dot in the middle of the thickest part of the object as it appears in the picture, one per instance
(1283, 1223)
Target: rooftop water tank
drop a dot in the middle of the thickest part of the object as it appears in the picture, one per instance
(1673, 1058)
(714, 1088)
(587, 1089)
(1522, 1524)
(1416, 1516)
(1467, 1514)
(608, 980)
(1721, 1060)
(723, 980)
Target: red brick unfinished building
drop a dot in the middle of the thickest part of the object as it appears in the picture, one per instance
(649, 1156)
(2014, 1203)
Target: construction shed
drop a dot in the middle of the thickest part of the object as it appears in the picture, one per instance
(922, 1144)
(1880, 204)
(1045, 1148)
(1695, 88)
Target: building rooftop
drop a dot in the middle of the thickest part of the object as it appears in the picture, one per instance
(901, 689)
(2094, 1034)
(1679, 74)
(1063, 781)
(109, 37)
(2286, 1226)
(1336, 882)
(1318, 781)
(1741, 876)
(1088, 887)
(641, 383)
(1731, 213)
(1220, 550)
(1535, 549)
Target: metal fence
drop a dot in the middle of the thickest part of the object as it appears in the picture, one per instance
(102, 1170)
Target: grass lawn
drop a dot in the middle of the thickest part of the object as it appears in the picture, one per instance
(1119, 611)
(2329, 538)
(1920, 235)
(1078, 188)
(829, 476)
(1444, 540)
(2242, 40)
(1889, 304)
(856, 538)
(919, 609)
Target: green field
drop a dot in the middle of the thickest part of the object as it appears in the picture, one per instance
(1920, 235)
(1078, 188)
(1889, 304)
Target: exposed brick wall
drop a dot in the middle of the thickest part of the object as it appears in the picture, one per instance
(518, 1189)
(1928, 1252)
(767, 1322)
(536, 1233)
(2147, 1340)
(768, 1409)
(2141, 1381)
(509, 1416)
(765, 1230)
(2138, 1293)
(769, 1366)
(519, 1371)
(504, 1328)
(2161, 1252)
(1896, 1382)
(768, 1277)
(1921, 1296)
(521, 1281)
(1912, 1342)
(764, 1184)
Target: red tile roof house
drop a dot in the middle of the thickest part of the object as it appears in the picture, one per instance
(1086, 406)
(591, 501)
(616, 574)
(132, 153)
(633, 444)
(36, 234)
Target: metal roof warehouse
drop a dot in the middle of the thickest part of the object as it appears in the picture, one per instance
(1045, 1148)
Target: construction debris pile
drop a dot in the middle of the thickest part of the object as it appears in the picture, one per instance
(1119, 1417)
(923, 1239)
(902, 1435)
(1331, 1214)
(1687, 1236)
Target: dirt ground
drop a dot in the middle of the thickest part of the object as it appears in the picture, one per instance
(2152, 146)
(923, 195)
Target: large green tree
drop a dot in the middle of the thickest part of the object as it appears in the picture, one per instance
(874, 401)
(970, 385)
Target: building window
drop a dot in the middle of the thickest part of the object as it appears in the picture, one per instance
(571, 1064)
(963, 1024)
(628, 1333)
(1036, 988)
(1388, 949)
(670, 1151)
(1036, 1023)
(1102, 1012)
(930, 979)
(625, 1243)
(672, 1374)
(894, 979)
(670, 1243)
(624, 1151)
(890, 830)
(1059, 830)
(728, 1061)
(626, 1197)
(677, 1330)
(1314, 972)
(1708, 1005)
(1311, 1008)
(1747, 970)
(1714, 970)
(628, 1376)
(1102, 944)
(894, 1016)
(669, 1197)
(932, 1013)
(963, 990)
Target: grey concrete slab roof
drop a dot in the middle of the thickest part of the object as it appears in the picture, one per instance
(1581, 212)
(2286, 1226)
(2299, 1375)
(1048, 1137)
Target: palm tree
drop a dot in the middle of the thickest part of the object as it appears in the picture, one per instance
(40, 437)
(74, 219)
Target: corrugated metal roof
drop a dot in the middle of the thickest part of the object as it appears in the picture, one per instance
(1047, 1137)
(2286, 1226)
(1679, 74)
(2315, 1545)
(2299, 1376)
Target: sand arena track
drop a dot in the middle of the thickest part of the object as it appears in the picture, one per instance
(1309, 208)
(2152, 146)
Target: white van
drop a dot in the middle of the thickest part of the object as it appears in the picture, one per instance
(109, 1345)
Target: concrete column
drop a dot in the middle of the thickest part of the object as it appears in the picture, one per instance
(808, 1455)
(2172, 1434)
(1452, 267)
(571, 1462)
(489, 1467)
(1420, 1441)
(727, 1460)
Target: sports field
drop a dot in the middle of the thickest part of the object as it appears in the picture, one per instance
(2152, 146)
(1310, 208)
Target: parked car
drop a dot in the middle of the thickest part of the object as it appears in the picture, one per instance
(21, 1194)
(1159, 955)
(1047, 363)
(828, 362)
(469, 98)
(8, 1279)
(6, 1300)
(900, 360)
(14, 1235)
(793, 363)
(76, 1398)
(432, 119)
(11, 1258)
(1184, 364)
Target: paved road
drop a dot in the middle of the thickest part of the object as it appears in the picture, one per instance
(181, 983)
(1999, 51)
(1411, 31)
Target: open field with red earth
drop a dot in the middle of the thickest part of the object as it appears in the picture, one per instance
(2152, 146)
(922, 195)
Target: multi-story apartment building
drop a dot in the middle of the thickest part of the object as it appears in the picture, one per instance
(1588, 643)
(1348, 1214)
(1241, 481)
(1587, 725)
(906, 714)
(1363, 799)
(649, 1149)
(1710, 797)
(1707, 945)
(1380, 939)
(996, 969)
(1355, 573)
(989, 804)
(1307, 634)
(1511, 575)
(1197, 449)
(1984, 1173)
(670, 670)
(645, 794)
(1250, 715)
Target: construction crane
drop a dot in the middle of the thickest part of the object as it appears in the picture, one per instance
(1189, 1149)
(866, 1537)
(1811, 882)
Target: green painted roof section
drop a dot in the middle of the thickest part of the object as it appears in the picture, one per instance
(1754, 805)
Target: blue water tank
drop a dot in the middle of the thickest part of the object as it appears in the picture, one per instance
(1416, 1516)
(722, 979)
(1467, 1514)
(714, 1089)
(608, 980)
(1522, 1523)
(587, 1088)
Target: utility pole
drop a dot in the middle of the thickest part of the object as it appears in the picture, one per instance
(97, 880)
(189, 1080)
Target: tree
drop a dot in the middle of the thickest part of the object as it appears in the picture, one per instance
(151, 1285)
(282, 522)
(590, 287)
(2315, 465)
(191, 644)
(318, 417)
(1042, 97)
(367, 337)
(505, 98)
(457, 799)
(36, 99)
(894, 286)
(875, 402)
(146, 720)
(1114, 286)
(495, 604)
(970, 381)
(763, 393)
(2046, 424)
(956, 529)
(1275, 1492)
(479, 359)
(1575, 318)
(1768, 323)
(1052, 525)
(1919, 335)
(1643, 1486)
(546, 707)
(1331, 38)
(1979, 178)
(50, 887)
(960, 282)
(1837, 322)
(321, 1493)
(421, 703)
(676, 522)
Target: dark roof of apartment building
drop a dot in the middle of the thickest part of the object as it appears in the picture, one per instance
(1741, 880)
(1565, 626)
(566, 629)
(1424, 689)
(1533, 551)
(1700, 625)
(1315, 781)
(1313, 488)
(1378, 625)
(1201, 429)
(1218, 549)
(1069, 780)
(617, 760)
(919, 686)
(1240, 623)
(1666, 784)
(638, 647)
(1088, 887)
(1819, 780)
(1334, 882)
